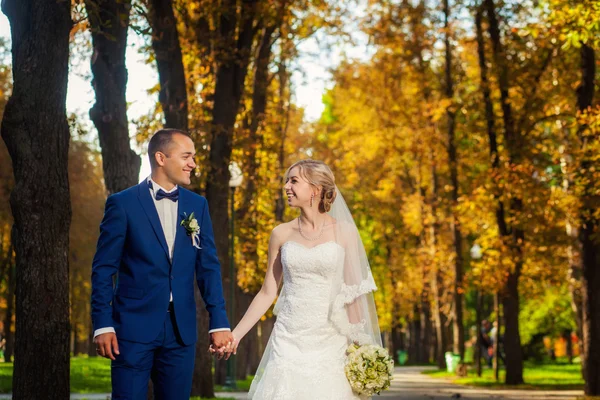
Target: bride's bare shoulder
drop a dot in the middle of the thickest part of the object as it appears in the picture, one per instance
(281, 233)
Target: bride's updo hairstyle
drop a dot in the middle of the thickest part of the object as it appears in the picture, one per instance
(318, 174)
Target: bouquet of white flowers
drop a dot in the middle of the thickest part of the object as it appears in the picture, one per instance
(369, 369)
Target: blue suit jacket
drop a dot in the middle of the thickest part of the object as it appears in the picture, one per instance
(132, 246)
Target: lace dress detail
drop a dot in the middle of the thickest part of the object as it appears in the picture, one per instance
(306, 352)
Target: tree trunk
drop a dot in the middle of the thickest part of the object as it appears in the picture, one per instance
(259, 106)
(435, 277)
(255, 355)
(496, 343)
(229, 87)
(414, 343)
(91, 347)
(588, 233)
(36, 133)
(458, 328)
(396, 342)
(478, 319)
(109, 23)
(169, 61)
(284, 116)
(426, 333)
(515, 236)
(495, 164)
(73, 314)
(574, 276)
(248, 211)
(202, 383)
(491, 121)
(569, 345)
(512, 339)
(10, 301)
(244, 358)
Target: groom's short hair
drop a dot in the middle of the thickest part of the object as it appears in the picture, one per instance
(160, 142)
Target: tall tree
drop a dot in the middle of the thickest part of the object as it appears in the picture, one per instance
(236, 32)
(36, 134)
(169, 61)
(435, 277)
(233, 49)
(490, 119)
(109, 23)
(459, 330)
(515, 236)
(589, 228)
(248, 211)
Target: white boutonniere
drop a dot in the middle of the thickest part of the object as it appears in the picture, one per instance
(192, 228)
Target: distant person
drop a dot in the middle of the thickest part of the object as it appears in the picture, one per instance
(497, 339)
(486, 341)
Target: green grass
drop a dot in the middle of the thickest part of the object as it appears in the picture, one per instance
(536, 376)
(6, 370)
(212, 398)
(242, 386)
(88, 375)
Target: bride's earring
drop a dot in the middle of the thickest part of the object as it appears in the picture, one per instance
(312, 196)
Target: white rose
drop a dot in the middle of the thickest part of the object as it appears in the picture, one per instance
(194, 224)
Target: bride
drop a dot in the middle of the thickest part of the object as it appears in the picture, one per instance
(326, 301)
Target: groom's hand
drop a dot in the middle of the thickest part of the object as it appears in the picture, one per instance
(221, 341)
(106, 345)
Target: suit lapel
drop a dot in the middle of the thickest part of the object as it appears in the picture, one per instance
(181, 236)
(152, 214)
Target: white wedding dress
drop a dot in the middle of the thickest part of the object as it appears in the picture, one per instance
(305, 355)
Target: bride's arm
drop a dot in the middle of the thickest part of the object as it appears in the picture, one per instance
(268, 292)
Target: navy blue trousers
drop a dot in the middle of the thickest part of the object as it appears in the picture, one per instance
(168, 362)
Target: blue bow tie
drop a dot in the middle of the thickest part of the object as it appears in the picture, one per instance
(173, 196)
(161, 194)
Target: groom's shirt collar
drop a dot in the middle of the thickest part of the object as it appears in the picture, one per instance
(154, 187)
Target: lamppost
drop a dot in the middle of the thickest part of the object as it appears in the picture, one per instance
(476, 252)
(476, 255)
(235, 181)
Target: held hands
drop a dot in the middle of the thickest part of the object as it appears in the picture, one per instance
(106, 345)
(223, 344)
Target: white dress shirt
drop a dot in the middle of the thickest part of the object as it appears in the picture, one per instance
(167, 214)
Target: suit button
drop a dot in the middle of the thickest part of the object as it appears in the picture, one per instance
(172, 277)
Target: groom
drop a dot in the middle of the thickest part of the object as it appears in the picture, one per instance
(146, 322)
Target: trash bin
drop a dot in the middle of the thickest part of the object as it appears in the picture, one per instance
(452, 360)
(402, 357)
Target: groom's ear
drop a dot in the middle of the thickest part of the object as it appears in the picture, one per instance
(159, 158)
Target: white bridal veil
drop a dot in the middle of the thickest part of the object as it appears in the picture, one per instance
(352, 306)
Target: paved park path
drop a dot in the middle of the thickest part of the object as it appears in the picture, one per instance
(410, 384)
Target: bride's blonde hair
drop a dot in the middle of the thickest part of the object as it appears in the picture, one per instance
(319, 175)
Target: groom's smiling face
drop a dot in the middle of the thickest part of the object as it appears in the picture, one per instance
(178, 160)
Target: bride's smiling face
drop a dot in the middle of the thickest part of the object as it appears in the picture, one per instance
(297, 189)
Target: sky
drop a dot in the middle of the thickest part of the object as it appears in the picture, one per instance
(310, 80)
